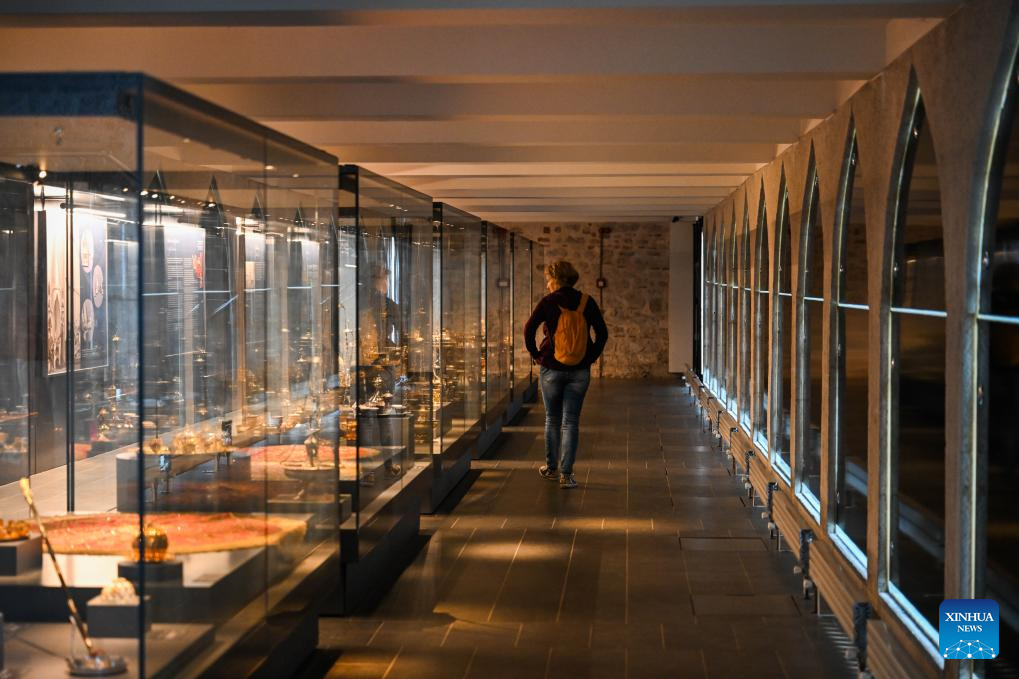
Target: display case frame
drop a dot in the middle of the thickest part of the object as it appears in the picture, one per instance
(460, 347)
(388, 228)
(128, 199)
(524, 380)
(499, 331)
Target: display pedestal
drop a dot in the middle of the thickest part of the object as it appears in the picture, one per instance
(170, 571)
(20, 556)
(117, 620)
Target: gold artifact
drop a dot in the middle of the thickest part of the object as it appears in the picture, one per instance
(155, 446)
(187, 443)
(154, 542)
(13, 530)
(120, 591)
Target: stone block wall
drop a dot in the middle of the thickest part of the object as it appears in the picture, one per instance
(635, 301)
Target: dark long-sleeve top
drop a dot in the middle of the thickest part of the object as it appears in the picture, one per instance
(547, 314)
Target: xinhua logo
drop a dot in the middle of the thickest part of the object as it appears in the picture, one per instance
(968, 629)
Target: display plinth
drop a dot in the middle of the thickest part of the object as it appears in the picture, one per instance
(40, 650)
(117, 619)
(20, 556)
(164, 572)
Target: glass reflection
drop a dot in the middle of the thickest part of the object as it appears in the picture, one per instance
(1000, 427)
(812, 309)
(917, 550)
(762, 316)
(744, 320)
(783, 338)
(849, 424)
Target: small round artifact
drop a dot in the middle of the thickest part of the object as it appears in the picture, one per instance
(154, 542)
(13, 530)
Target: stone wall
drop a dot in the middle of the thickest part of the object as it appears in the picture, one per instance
(635, 301)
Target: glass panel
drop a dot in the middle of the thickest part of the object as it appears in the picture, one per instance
(849, 425)
(783, 339)
(917, 442)
(762, 316)
(394, 330)
(721, 288)
(460, 346)
(521, 312)
(498, 333)
(1000, 297)
(733, 307)
(709, 307)
(812, 308)
(919, 253)
(918, 489)
(142, 402)
(744, 321)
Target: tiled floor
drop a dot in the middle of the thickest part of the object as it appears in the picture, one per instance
(653, 567)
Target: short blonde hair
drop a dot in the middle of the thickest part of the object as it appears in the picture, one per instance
(562, 272)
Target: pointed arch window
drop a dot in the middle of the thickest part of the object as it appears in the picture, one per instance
(810, 370)
(732, 293)
(721, 285)
(782, 340)
(762, 316)
(709, 308)
(997, 399)
(744, 320)
(916, 440)
(850, 349)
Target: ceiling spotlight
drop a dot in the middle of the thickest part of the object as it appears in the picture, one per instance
(270, 168)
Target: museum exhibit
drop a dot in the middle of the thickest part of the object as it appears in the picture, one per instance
(420, 338)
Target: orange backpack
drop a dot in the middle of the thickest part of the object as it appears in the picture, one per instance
(571, 334)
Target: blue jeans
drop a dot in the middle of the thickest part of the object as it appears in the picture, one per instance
(563, 392)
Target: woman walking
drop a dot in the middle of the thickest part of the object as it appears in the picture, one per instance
(565, 356)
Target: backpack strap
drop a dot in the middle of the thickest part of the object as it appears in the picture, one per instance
(583, 302)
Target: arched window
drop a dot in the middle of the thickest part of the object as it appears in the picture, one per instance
(721, 285)
(810, 292)
(709, 305)
(733, 306)
(782, 338)
(916, 398)
(744, 320)
(762, 314)
(998, 393)
(849, 347)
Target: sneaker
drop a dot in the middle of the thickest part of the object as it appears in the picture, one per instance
(547, 473)
(567, 481)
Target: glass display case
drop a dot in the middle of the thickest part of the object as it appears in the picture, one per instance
(459, 343)
(171, 394)
(386, 238)
(523, 372)
(498, 327)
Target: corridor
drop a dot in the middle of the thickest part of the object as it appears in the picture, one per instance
(653, 567)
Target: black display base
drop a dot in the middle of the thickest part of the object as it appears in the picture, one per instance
(118, 620)
(446, 474)
(20, 556)
(215, 586)
(169, 571)
(39, 651)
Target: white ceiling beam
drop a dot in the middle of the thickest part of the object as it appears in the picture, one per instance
(851, 51)
(402, 170)
(648, 130)
(437, 185)
(298, 12)
(693, 193)
(593, 97)
(473, 153)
